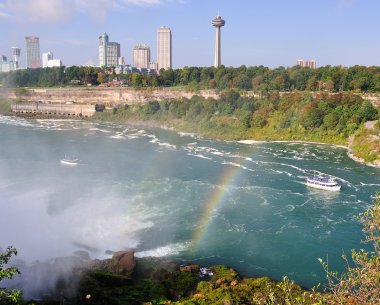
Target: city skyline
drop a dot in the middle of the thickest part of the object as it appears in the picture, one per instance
(274, 33)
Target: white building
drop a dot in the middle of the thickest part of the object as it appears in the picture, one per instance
(16, 56)
(109, 52)
(141, 56)
(54, 63)
(45, 58)
(164, 48)
(49, 62)
(312, 64)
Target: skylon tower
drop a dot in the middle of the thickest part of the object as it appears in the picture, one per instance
(218, 22)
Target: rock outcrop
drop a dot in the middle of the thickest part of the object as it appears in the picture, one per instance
(123, 262)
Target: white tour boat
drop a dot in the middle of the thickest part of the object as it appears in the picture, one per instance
(70, 161)
(323, 183)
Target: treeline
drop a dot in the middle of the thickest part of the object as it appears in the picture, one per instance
(260, 79)
(301, 116)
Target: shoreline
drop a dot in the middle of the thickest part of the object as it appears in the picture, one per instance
(155, 124)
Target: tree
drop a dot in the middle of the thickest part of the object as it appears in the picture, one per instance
(8, 296)
(361, 283)
(101, 77)
(367, 111)
(136, 80)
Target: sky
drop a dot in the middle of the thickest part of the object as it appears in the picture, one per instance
(257, 32)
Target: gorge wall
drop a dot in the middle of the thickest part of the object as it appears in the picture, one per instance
(100, 95)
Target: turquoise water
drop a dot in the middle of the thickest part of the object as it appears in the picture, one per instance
(176, 195)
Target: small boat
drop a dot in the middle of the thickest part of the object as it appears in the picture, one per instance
(323, 183)
(70, 161)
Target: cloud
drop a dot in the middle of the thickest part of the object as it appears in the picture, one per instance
(56, 11)
(39, 10)
(99, 9)
(4, 15)
(347, 3)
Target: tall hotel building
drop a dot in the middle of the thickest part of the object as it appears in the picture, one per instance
(312, 64)
(164, 48)
(141, 56)
(33, 59)
(109, 52)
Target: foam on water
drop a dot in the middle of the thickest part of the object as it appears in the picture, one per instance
(163, 251)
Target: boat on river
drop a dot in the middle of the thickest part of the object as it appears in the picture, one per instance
(327, 183)
(67, 160)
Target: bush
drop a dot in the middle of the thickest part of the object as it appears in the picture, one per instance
(360, 284)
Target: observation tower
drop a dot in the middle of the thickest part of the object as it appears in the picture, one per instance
(218, 22)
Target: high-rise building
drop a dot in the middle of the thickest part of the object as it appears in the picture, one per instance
(141, 56)
(218, 22)
(164, 48)
(33, 59)
(16, 56)
(45, 59)
(109, 52)
(312, 64)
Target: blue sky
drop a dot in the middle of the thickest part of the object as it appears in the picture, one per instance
(258, 32)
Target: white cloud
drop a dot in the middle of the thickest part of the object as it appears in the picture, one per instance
(100, 8)
(55, 11)
(39, 10)
(4, 15)
(347, 3)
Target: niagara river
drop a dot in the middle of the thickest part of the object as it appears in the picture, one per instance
(178, 196)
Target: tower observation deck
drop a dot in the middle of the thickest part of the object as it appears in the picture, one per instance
(218, 22)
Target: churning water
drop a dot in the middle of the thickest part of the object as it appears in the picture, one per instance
(175, 195)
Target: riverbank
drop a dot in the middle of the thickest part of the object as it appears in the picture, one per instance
(352, 146)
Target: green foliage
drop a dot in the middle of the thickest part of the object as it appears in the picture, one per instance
(151, 285)
(226, 287)
(259, 78)
(367, 111)
(8, 296)
(360, 284)
(366, 146)
(5, 107)
(328, 118)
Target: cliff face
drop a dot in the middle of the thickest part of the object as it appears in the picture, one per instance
(96, 95)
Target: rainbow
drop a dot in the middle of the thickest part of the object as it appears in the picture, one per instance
(216, 197)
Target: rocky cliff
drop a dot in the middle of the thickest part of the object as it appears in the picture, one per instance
(95, 95)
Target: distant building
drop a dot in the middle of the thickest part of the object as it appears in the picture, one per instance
(109, 52)
(121, 61)
(153, 66)
(312, 64)
(45, 58)
(141, 56)
(5, 65)
(16, 56)
(164, 48)
(126, 69)
(54, 63)
(49, 62)
(33, 59)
